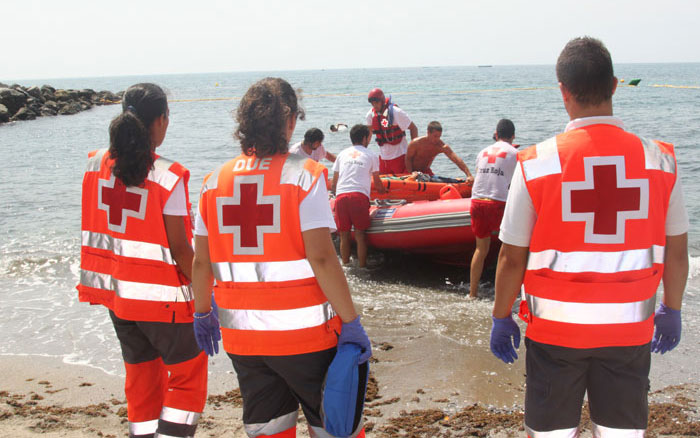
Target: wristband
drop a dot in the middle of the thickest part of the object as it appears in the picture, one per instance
(198, 315)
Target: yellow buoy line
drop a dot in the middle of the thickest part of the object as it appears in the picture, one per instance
(691, 87)
(405, 93)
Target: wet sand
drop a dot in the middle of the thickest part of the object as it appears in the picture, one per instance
(412, 393)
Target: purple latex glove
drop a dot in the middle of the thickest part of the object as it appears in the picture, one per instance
(505, 334)
(668, 329)
(353, 333)
(206, 329)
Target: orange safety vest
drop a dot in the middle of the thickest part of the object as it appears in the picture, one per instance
(597, 249)
(269, 300)
(125, 259)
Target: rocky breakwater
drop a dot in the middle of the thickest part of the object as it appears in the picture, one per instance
(22, 103)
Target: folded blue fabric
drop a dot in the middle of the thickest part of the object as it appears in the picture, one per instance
(344, 392)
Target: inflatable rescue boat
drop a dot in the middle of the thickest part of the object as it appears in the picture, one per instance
(439, 228)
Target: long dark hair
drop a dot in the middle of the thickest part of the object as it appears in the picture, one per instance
(262, 117)
(129, 133)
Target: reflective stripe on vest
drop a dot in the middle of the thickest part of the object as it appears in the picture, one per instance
(546, 163)
(127, 248)
(274, 426)
(94, 162)
(162, 175)
(276, 320)
(135, 290)
(262, 271)
(596, 261)
(559, 433)
(294, 172)
(590, 313)
(655, 159)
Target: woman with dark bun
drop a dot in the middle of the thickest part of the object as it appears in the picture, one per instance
(263, 232)
(136, 260)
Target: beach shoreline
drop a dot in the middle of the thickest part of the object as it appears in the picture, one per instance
(412, 393)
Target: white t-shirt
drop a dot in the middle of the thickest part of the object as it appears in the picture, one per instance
(316, 155)
(389, 151)
(494, 170)
(314, 211)
(520, 216)
(355, 166)
(177, 202)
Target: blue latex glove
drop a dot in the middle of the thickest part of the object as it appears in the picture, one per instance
(668, 329)
(206, 329)
(353, 333)
(503, 330)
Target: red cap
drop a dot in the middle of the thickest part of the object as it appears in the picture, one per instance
(376, 94)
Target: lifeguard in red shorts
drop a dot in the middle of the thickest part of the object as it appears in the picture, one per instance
(494, 169)
(352, 173)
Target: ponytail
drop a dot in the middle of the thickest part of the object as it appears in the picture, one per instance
(129, 135)
(130, 147)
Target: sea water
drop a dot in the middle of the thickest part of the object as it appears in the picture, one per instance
(42, 163)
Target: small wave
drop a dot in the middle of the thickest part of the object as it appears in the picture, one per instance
(694, 267)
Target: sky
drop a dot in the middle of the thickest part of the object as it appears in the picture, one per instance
(87, 38)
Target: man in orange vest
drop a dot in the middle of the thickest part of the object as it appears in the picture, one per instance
(594, 221)
(389, 124)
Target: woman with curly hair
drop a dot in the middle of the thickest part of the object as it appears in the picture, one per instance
(263, 232)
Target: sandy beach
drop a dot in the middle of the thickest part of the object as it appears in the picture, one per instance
(412, 393)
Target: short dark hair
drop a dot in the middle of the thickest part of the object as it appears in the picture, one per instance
(313, 135)
(358, 133)
(262, 117)
(585, 68)
(434, 126)
(505, 129)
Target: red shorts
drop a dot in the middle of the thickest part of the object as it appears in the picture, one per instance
(352, 209)
(395, 165)
(486, 216)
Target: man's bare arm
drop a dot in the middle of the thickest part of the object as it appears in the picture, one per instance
(335, 182)
(512, 261)
(378, 185)
(413, 130)
(410, 154)
(330, 157)
(447, 150)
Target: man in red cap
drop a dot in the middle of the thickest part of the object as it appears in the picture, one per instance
(389, 124)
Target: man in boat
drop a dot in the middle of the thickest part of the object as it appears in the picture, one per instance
(594, 221)
(353, 172)
(389, 124)
(423, 150)
(494, 169)
(312, 146)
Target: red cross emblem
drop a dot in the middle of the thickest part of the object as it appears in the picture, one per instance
(492, 153)
(120, 202)
(385, 123)
(605, 200)
(355, 153)
(248, 214)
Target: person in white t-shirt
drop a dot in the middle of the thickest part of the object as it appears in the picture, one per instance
(353, 172)
(389, 124)
(494, 169)
(312, 146)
